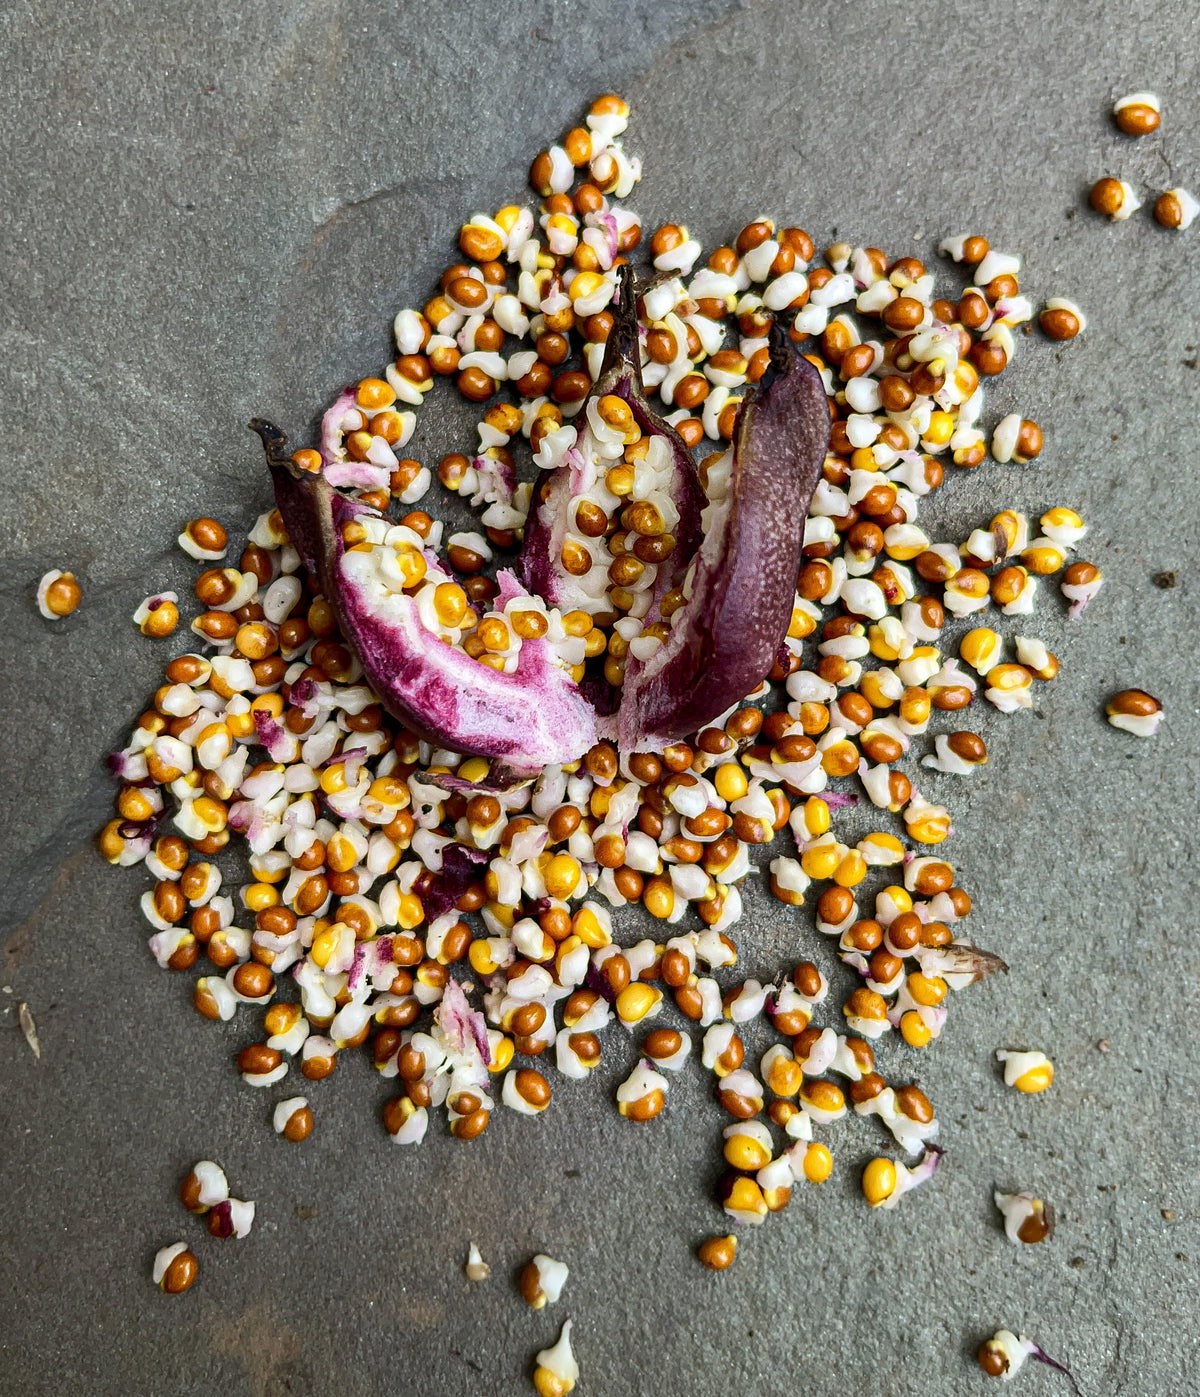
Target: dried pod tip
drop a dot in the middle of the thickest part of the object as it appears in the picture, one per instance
(274, 443)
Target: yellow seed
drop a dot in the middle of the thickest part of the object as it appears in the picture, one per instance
(612, 409)
(979, 648)
(851, 870)
(745, 1153)
(494, 634)
(333, 779)
(474, 769)
(564, 223)
(840, 759)
(879, 1181)
(507, 217)
(340, 854)
(1010, 677)
(816, 816)
(658, 897)
(506, 916)
(966, 379)
(881, 843)
(502, 1054)
(730, 781)
(818, 1163)
(619, 480)
(480, 956)
(267, 875)
(746, 1197)
(1059, 516)
(529, 625)
(588, 927)
(390, 790)
(240, 724)
(260, 896)
(802, 625)
(411, 562)
(561, 875)
(821, 861)
(548, 1383)
(324, 944)
(450, 603)
(900, 897)
(929, 990)
(940, 430)
(914, 1030)
(1036, 1079)
(134, 805)
(880, 647)
(1043, 560)
(636, 1001)
(409, 912)
(932, 829)
(577, 623)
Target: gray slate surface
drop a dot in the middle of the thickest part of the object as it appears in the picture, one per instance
(215, 211)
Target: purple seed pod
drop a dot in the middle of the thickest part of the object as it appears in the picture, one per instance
(741, 587)
(528, 719)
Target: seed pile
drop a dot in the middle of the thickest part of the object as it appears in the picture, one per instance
(463, 932)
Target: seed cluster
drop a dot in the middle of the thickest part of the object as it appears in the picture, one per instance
(388, 877)
(204, 1192)
(1138, 114)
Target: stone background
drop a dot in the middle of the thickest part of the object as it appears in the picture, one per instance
(214, 211)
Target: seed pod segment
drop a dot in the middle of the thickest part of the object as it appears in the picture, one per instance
(582, 478)
(530, 718)
(741, 585)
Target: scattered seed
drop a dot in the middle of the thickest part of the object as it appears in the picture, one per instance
(1114, 198)
(58, 595)
(1138, 113)
(557, 1371)
(158, 615)
(1029, 1072)
(389, 877)
(1176, 208)
(717, 1253)
(230, 1218)
(175, 1269)
(204, 1187)
(542, 1281)
(1135, 711)
(293, 1119)
(1026, 1218)
(476, 1268)
(1003, 1355)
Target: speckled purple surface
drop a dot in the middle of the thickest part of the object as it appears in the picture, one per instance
(214, 212)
